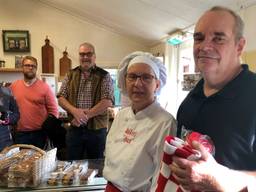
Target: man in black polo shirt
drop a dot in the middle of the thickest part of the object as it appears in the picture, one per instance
(222, 105)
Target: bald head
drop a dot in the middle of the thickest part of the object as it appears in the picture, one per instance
(238, 28)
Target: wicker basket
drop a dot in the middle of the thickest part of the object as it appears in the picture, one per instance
(22, 146)
(30, 169)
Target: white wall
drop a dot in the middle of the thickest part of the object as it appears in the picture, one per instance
(63, 30)
(158, 49)
(249, 15)
(10, 76)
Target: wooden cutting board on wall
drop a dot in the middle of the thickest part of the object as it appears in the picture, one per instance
(65, 64)
(47, 57)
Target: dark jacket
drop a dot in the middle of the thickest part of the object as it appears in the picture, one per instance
(10, 114)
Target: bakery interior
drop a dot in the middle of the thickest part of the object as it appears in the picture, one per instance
(116, 28)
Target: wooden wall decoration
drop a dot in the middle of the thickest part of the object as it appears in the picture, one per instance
(47, 57)
(65, 63)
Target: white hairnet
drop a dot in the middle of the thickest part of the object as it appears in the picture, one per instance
(146, 60)
(157, 66)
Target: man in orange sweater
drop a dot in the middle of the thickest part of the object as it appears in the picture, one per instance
(36, 101)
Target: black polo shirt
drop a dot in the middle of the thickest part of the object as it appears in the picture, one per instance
(228, 117)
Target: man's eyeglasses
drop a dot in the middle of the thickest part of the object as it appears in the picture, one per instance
(30, 65)
(88, 54)
(145, 78)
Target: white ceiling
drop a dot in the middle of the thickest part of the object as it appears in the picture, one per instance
(145, 20)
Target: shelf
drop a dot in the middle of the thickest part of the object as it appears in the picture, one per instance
(7, 70)
(96, 184)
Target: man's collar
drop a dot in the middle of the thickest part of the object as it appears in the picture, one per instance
(90, 70)
(229, 91)
(29, 82)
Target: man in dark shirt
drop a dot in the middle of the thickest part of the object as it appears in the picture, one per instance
(222, 105)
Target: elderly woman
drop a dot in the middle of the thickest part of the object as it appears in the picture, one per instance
(9, 115)
(135, 141)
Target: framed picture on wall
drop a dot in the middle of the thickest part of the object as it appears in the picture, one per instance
(16, 41)
(51, 80)
(18, 61)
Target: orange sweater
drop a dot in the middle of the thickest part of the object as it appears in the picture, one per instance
(35, 102)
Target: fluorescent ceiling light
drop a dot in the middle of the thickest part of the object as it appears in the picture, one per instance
(174, 40)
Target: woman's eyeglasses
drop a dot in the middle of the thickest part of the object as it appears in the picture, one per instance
(145, 78)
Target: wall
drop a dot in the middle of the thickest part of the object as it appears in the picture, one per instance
(158, 49)
(249, 56)
(63, 30)
(10, 76)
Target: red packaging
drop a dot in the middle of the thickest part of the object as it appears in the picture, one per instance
(205, 140)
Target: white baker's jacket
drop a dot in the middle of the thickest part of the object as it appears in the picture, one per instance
(134, 147)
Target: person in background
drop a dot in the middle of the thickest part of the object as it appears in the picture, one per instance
(9, 115)
(135, 140)
(86, 93)
(222, 106)
(36, 101)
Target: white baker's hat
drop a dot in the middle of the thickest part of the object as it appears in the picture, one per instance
(141, 57)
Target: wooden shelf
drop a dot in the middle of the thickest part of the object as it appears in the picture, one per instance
(7, 70)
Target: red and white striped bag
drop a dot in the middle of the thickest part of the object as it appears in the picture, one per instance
(173, 147)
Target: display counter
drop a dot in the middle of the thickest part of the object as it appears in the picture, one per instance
(96, 184)
(95, 181)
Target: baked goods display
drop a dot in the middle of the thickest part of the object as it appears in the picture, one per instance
(88, 176)
(24, 165)
(75, 173)
(7, 161)
(28, 166)
(55, 176)
(20, 174)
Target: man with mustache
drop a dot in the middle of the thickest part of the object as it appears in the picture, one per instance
(86, 93)
(36, 101)
(222, 105)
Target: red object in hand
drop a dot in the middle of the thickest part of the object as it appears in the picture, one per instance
(5, 122)
(205, 140)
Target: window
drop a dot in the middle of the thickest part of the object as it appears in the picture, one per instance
(117, 94)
